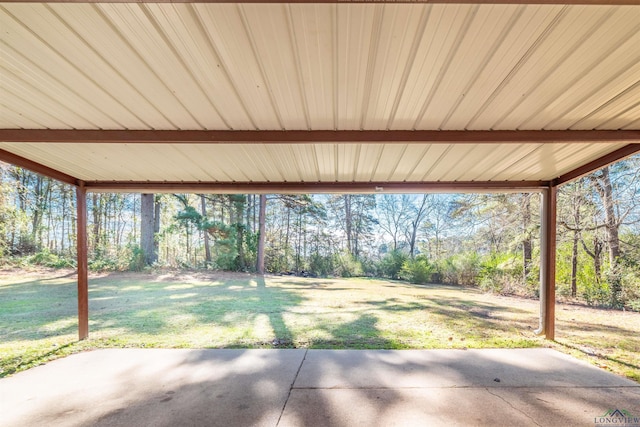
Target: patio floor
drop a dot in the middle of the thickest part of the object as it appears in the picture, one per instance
(158, 387)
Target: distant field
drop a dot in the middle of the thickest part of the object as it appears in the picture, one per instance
(220, 310)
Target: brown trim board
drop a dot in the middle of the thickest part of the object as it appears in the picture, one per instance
(615, 156)
(314, 187)
(36, 167)
(316, 136)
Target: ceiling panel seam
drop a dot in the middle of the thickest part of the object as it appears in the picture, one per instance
(609, 102)
(131, 85)
(295, 52)
(544, 35)
(413, 52)
(186, 69)
(259, 60)
(551, 69)
(592, 93)
(483, 65)
(376, 29)
(580, 75)
(462, 33)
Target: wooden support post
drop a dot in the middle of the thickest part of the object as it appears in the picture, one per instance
(548, 260)
(83, 278)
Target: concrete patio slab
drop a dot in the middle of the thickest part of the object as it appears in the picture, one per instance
(154, 387)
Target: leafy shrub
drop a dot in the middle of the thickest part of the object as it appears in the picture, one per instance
(347, 266)
(49, 259)
(501, 273)
(417, 270)
(461, 269)
(392, 263)
(136, 258)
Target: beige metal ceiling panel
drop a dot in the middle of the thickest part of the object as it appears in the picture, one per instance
(326, 155)
(395, 37)
(189, 42)
(12, 119)
(264, 160)
(609, 77)
(429, 160)
(471, 54)
(270, 30)
(526, 25)
(172, 77)
(437, 46)
(62, 56)
(354, 27)
(60, 157)
(368, 157)
(47, 105)
(314, 41)
(543, 162)
(447, 162)
(37, 84)
(564, 159)
(483, 166)
(407, 164)
(225, 26)
(619, 112)
(18, 103)
(387, 165)
(464, 158)
(346, 161)
(593, 50)
(566, 33)
(306, 162)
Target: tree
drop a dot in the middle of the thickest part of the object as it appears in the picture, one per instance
(147, 228)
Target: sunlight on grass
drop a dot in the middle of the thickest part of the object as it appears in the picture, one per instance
(197, 310)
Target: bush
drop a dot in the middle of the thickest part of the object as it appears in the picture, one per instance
(417, 270)
(392, 263)
(461, 269)
(51, 260)
(347, 266)
(501, 273)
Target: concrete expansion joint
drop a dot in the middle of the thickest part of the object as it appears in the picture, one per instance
(513, 407)
(295, 378)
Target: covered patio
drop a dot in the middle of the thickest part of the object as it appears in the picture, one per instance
(297, 97)
(317, 387)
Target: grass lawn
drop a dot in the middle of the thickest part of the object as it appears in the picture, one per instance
(219, 310)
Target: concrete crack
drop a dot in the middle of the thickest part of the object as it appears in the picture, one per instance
(509, 403)
(291, 386)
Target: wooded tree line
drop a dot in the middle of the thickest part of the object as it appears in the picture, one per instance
(486, 240)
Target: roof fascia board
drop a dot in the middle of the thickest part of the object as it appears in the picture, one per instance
(36, 167)
(315, 136)
(615, 156)
(316, 187)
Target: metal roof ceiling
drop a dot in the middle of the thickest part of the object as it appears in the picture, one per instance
(310, 67)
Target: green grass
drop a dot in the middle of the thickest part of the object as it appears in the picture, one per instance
(212, 310)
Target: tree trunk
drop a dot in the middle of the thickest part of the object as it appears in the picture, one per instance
(527, 245)
(605, 190)
(574, 264)
(347, 221)
(261, 233)
(147, 225)
(207, 247)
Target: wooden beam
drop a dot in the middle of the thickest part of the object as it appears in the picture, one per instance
(314, 187)
(315, 136)
(577, 2)
(16, 160)
(615, 156)
(82, 259)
